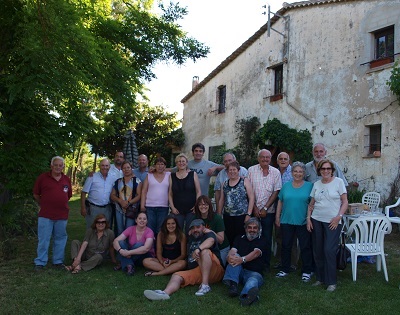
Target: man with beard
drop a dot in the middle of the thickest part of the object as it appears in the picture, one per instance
(203, 263)
(245, 264)
(319, 153)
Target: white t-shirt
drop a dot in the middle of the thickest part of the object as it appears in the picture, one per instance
(327, 199)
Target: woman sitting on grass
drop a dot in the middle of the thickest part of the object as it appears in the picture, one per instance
(98, 242)
(171, 250)
(134, 244)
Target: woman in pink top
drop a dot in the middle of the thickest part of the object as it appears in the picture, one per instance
(154, 198)
(134, 245)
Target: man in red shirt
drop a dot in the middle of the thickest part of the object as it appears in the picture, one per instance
(52, 191)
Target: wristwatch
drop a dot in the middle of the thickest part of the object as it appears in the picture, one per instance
(244, 259)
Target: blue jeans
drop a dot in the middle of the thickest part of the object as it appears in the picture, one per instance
(155, 217)
(267, 225)
(250, 279)
(123, 222)
(51, 228)
(184, 220)
(134, 259)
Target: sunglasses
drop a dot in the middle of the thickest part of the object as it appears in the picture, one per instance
(101, 222)
(326, 168)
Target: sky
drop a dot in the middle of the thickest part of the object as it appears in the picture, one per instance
(222, 25)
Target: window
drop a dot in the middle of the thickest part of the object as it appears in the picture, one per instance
(384, 43)
(221, 99)
(373, 136)
(278, 83)
(213, 151)
(278, 80)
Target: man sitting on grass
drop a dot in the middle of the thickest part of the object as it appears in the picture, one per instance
(204, 264)
(245, 264)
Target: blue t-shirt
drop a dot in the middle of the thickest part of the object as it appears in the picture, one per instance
(295, 203)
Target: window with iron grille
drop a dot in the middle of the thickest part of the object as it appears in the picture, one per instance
(278, 82)
(373, 138)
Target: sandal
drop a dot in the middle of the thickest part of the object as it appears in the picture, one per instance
(117, 267)
(69, 268)
(148, 273)
(77, 269)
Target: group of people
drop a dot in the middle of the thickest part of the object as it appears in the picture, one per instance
(166, 222)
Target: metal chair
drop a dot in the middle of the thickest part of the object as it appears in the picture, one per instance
(369, 233)
(372, 199)
(387, 212)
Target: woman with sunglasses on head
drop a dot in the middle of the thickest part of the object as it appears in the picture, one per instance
(98, 242)
(327, 206)
(126, 196)
(171, 250)
(203, 209)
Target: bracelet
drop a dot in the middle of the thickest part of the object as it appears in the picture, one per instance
(199, 249)
(119, 249)
(248, 214)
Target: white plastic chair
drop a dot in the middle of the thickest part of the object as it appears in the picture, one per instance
(369, 233)
(372, 199)
(387, 212)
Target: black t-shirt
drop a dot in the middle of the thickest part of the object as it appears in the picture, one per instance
(244, 247)
(194, 243)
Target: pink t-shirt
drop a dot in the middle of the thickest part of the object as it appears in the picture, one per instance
(130, 234)
(157, 193)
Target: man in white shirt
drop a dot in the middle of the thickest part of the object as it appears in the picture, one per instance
(98, 187)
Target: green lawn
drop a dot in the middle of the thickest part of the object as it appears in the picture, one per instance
(103, 291)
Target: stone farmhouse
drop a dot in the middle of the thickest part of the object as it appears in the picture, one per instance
(318, 65)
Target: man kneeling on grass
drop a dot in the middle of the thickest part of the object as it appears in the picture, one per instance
(245, 264)
(204, 264)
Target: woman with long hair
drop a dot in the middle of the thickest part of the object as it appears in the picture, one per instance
(213, 222)
(171, 250)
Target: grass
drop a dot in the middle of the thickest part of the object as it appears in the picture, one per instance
(103, 291)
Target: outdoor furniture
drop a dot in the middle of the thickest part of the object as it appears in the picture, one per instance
(372, 199)
(387, 211)
(369, 233)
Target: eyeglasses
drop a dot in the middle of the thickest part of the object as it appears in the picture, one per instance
(325, 169)
(284, 159)
(101, 222)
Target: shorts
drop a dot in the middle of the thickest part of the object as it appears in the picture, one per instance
(193, 276)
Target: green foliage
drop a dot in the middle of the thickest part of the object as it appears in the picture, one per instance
(286, 139)
(245, 150)
(354, 195)
(394, 82)
(71, 74)
(217, 156)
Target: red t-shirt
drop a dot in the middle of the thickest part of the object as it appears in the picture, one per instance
(54, 196)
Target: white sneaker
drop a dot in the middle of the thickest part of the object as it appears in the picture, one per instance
(203, 289)
(156, 295)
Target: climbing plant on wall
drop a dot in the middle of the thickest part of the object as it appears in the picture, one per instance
(246, 151)
(277, 134)
(394, 81)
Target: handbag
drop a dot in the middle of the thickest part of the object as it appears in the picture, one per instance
(131, 211)
(341, 254)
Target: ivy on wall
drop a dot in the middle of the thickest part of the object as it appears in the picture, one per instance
(394, 81)
(287, 139)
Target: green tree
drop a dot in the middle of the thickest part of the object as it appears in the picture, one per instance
(71, 70)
